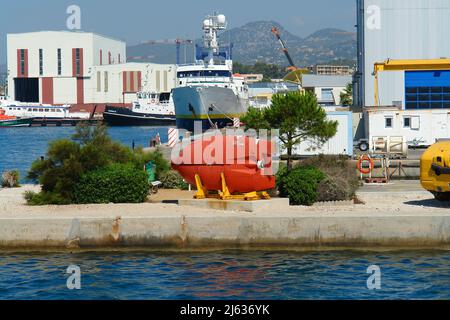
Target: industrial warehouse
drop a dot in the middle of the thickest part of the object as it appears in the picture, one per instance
(403, 70)
(80, 69)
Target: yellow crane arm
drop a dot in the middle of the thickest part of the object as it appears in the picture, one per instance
(407, 65)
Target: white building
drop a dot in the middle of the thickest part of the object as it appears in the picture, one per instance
(58, 67)
(327, 88)
(417, 127)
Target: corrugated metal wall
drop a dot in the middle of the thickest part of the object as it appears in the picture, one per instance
(340, 144)
(400, 29)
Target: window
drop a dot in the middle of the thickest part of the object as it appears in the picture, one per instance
(22, 62)
(388, 122)
(59, 62)
(41, 62)
(327, 95)
(406, 122)
(99, 81)
(78, 61)
(106, 81)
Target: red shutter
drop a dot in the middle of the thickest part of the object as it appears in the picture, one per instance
(47, 90)
(80, 91)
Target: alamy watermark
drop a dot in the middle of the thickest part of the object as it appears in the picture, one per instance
(73, 22)
(74, 280)
(374, 280)
(373, 17)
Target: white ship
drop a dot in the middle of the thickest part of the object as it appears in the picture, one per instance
(207, 91)
(39, 111)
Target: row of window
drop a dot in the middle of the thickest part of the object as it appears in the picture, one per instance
(41, 62)
(99, 81)
(34, 109)
(59, 59)
(204, 73)
(411, 122)
(427, 97)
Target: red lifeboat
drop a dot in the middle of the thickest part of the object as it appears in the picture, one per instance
(243, 163)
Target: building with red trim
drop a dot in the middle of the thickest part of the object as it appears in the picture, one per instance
(78, 68)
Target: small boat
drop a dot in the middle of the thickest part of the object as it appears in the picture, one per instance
(243, 164)
(12, 121)
(150, 109)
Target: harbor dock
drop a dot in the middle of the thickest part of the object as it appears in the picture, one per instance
(399, 214)
(66, 122)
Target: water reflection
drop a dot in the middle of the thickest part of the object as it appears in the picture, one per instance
(226, 275)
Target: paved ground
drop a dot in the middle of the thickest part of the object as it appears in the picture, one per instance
(400, 186)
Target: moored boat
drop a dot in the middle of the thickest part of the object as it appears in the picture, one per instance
(150, 109)
(12, 121)
(207, 90)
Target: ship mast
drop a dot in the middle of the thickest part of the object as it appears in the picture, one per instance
(211, 25)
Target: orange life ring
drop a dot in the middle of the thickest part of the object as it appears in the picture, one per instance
(362, 159)
(153, 101)
(171, 113)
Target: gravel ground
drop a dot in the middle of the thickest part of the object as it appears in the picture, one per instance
(397, 198)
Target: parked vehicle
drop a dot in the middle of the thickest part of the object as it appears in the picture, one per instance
(435, 170)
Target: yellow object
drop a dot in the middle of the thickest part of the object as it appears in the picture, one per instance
(435, 170)
(225, 194)
(407, 65)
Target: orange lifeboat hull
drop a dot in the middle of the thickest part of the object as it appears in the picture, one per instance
(245, 170)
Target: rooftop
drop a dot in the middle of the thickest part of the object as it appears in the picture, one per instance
(314, 80)
(66, 32)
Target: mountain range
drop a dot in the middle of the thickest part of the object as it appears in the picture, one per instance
(254, 42)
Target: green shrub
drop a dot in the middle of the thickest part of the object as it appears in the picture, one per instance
(173, 180)
(341, 182)
(90, 149)
(10, 179)
(116, 183)
(162, 165)
(300, 184)
(44, 198)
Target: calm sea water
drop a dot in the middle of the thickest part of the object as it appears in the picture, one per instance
(19, 147)
(226, 275)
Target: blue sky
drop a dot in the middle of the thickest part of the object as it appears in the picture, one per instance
(138, 20)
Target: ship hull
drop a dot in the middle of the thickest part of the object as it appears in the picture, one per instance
(25, 122)
(210, 106)
(116, 116)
